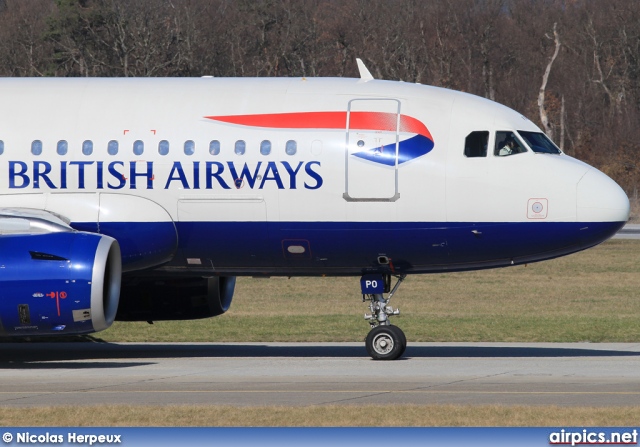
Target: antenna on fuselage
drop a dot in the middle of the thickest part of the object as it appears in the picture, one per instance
(365, 74)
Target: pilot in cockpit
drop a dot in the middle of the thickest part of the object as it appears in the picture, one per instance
(508, 144)
(508, 148)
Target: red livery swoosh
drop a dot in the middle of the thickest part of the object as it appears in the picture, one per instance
(329, 120)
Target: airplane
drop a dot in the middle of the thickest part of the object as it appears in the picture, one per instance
(143, 199)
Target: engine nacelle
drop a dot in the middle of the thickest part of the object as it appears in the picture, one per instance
(154, 299)
(58, 283)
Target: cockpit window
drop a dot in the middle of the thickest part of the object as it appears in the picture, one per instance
(475, 145)
(507, 143)
(539, 142)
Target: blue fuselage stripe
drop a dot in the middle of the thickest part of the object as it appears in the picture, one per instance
(352, 247)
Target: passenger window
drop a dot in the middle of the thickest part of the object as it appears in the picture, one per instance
(476, 143)
(189, 147)
(240, 147)
(36, 147)
(112, 147)
(87, 147)
(507, 143)
(1, 147)
(265, 147)
(138, 147)
(163, 147)
(62, 147)
(214, 147)
(291, 148)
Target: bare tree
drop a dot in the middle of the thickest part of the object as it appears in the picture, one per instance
(589, 97)
(544, 118)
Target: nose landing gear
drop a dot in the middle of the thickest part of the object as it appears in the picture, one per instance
(385, 341)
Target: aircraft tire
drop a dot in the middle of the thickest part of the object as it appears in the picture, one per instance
(403, 338)
(384, 343)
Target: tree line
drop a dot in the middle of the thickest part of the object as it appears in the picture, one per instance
(571, 66)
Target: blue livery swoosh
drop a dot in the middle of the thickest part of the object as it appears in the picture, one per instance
(409, 149)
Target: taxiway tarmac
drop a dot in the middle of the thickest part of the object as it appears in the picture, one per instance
(305, 374)
(629, 231)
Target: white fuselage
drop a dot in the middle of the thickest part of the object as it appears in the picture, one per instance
(268, 176)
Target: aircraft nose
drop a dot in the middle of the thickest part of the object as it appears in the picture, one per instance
(603, 207)
(600, 199)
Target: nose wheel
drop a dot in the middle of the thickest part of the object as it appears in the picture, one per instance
(385, 341)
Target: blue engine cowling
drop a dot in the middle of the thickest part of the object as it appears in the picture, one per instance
(58, 283)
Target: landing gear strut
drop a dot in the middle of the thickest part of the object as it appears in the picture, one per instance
(385, 341)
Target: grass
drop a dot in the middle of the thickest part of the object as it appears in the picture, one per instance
(589, 296)
(323, 416)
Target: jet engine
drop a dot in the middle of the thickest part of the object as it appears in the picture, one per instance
(154, 299)
(63, 282)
